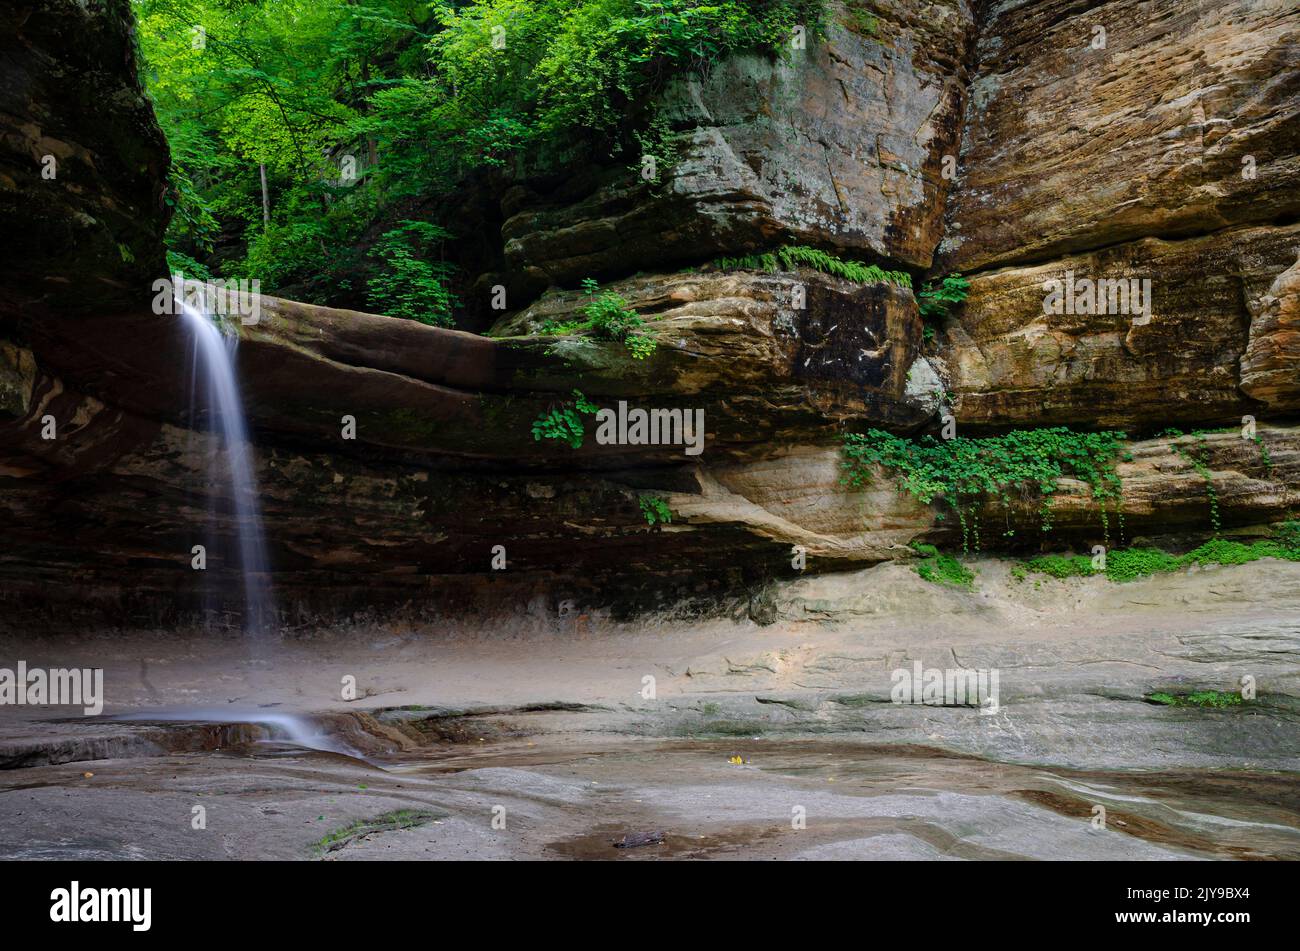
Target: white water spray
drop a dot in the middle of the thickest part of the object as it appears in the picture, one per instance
(291, 728)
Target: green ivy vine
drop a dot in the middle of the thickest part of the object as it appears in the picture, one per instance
(964, 472)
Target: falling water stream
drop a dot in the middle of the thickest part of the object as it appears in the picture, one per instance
(213, 364)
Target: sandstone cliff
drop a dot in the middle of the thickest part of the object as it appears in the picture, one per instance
(996, 139)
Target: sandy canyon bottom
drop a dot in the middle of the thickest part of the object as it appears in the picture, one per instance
(545, 737)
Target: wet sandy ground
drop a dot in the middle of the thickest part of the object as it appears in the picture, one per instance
(529, 793)
(761, 743)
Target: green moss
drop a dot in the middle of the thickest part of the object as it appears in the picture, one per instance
(412, 426)
(938, 568)
(1062, 566)
(863, 22)
(1217, 699)
(730, 728)
(388, 822)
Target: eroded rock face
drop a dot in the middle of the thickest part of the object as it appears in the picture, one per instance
(117, 501)
(1010, 364)
(1188, 120)
(797, 498)
(82, 160)
(768, 355)
(761, 363)
(1270, 367)
(100, 522)
(838, 145)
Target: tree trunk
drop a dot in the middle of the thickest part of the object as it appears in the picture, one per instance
(266, 199)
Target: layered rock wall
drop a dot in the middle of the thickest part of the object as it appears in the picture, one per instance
(922, 136)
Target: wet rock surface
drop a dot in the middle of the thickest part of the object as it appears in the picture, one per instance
(749, 729)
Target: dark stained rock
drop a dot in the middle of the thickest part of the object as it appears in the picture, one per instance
(737, 343)
(90, 237)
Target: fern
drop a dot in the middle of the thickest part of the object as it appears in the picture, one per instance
(794, 256)
(935, 301)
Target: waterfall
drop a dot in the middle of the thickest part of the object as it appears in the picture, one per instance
(214, 369)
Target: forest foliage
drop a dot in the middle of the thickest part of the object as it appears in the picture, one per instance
(305, 134)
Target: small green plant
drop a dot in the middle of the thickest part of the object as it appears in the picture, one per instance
(934, 300)
(657, 143)
(1200, 464)
(938, 568)
(1217, 699)
(411, 284)
(655, 510)
(565, 422)
(608, 317)
(1133, 563)
(794, 256)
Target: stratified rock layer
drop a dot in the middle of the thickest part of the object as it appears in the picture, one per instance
(1180, 363)
(1270, 367)
(1093, 124)
(838, 144)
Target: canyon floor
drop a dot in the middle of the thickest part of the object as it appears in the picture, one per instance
(544, 737)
